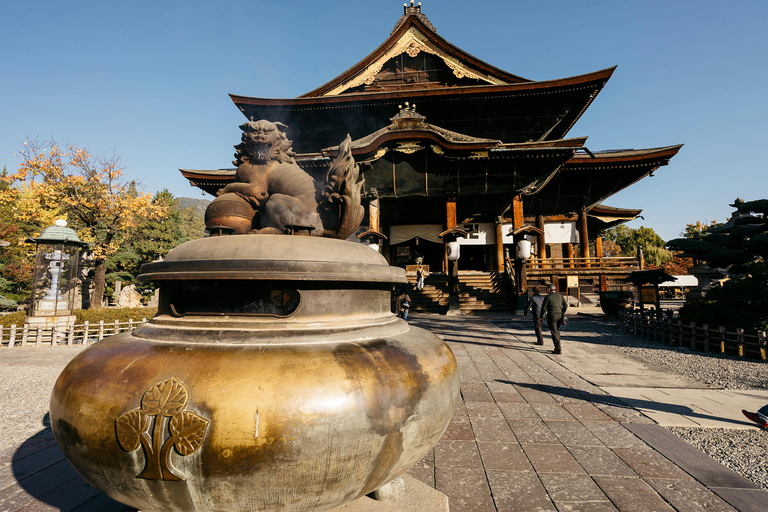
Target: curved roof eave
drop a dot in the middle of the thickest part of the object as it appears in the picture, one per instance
(413, 20)
(523, 87)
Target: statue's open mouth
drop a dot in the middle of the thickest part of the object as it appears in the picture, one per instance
(261, 152)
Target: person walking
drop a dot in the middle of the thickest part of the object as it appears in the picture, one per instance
(420, 278)
(535, 304)
(554, 307)
(404, 304)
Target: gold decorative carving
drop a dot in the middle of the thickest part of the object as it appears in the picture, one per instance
(412, 42)
(408, 147)
(437, 149)
(162, 407)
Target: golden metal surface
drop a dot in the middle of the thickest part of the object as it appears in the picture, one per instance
(253, 413)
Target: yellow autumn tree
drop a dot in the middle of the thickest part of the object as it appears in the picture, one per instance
(88, 190)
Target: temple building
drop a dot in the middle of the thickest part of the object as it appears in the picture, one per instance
(446, 141)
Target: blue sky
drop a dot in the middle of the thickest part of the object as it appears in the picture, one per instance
(150, 79)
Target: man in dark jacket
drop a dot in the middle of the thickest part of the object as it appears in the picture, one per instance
(534, 306)
(554, 307)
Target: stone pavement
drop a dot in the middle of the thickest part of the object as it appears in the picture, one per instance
(530, 434)
(533, 432)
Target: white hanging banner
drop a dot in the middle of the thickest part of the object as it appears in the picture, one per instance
(563, 232)
(429, 232)
(480, 233)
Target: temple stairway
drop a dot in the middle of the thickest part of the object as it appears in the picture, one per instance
(478, 291)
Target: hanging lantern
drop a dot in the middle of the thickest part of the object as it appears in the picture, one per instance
(524, 249)
(453, 251)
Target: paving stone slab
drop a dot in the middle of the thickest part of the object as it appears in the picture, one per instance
(483, 410)
(504, 457)
(599, 460)
(585, 411)
(518, 492)
(744, 500)
(457, 454)
(573, 433)
(614, 435)
(518, 411)
(572, 488)
(458, 431)
(650, 464)
(689, 496)
(467, 489)
(552, 412)
(533, 432)
(493, 430)
(630, 494)
(551, 458)
(693, 461)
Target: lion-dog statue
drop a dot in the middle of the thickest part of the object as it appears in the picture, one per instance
(272, 194)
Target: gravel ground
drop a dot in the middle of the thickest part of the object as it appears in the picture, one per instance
(713, 368)
(743, 450)
(27, 377)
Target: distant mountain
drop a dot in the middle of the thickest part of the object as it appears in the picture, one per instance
(199, 205)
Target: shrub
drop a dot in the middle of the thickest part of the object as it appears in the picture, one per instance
(108, 315)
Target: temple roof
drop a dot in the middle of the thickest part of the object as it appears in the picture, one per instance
(453, 89)
(588, 180)
(414, 35)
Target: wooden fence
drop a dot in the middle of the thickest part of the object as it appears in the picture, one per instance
(77, 334)
(664, 326)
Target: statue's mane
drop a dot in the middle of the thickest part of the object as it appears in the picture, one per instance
(281, 151)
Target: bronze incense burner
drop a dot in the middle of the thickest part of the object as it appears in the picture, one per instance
(274, 377)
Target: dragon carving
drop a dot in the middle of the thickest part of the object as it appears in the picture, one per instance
(271, 193)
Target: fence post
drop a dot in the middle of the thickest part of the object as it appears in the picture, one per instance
(24, 335)
(680, 333)
(54, 336)
(740, 340)
(70, 334)
(39, 336)
(86, 325)
(763, 342)
(130, 324)
(101, 330)
(722, 339)
(12, 339)
(143, 320)
(117, 326)
(693, 335)
(706, 337)
(1, 335)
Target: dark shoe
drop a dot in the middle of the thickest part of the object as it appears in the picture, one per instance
(754, 417)
(556, 352)
(539, 342)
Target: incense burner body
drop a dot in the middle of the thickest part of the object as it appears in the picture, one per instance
(273, 378)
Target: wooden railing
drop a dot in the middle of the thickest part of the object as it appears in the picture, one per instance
(618, 263)
(665, 327)
(76, 334)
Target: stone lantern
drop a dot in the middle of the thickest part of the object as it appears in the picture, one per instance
(55, 276)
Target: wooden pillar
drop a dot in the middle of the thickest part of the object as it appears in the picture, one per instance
(521, 281)
(583, 235)
(450, 213)
(599, 255)
(373, 214)
(541, 241)
(450, 222)
(517, 212)
(499, 246)
(569, 254)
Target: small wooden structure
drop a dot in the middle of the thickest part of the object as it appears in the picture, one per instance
(647, 283)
